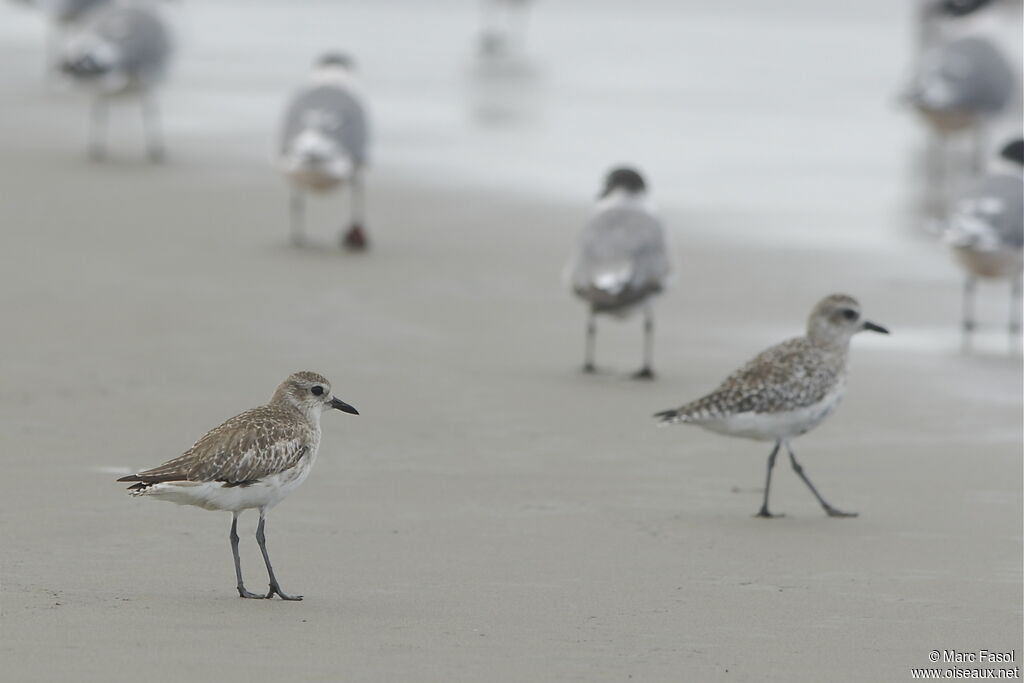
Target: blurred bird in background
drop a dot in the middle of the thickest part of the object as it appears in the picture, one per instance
(324, 142)
(962, 81)
(122, 50)
(503, 28)
(621, 261)
(986, 232)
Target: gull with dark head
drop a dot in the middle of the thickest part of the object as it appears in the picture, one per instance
(985, 229)
(786, 390)
(123, 50)
(252, 461)
(621, 261)
(323, 144)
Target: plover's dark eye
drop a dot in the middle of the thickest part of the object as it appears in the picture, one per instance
(849, 314)
(317, 390)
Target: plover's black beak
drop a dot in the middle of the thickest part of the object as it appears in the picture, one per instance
(868, 325)
(338, 404)
(606, 191)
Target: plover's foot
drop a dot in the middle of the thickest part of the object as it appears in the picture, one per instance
(832, 512)
(243, 593)
(355, 238)
(644, 373)
(276, 590)
(589, 368)
(764, 514)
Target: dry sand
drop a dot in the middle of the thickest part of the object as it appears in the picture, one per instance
(493, 515)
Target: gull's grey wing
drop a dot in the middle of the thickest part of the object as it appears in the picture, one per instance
(141, 35)
(995, 203)
(622, 257)
(965, 75)
(336, 110)
(246, 448)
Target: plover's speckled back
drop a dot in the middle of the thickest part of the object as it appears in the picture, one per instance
(786, 390)
(621, 261)
(253, 460)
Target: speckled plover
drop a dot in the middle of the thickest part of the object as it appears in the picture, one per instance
(324, 142)
(786, 390)
(253, 460)
(124, 49)
(621, 260)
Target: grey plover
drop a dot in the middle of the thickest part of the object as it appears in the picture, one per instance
(786, 390)
(123, 50)
(621, 261)
(323, 144)
(986, 232)
(252, 461)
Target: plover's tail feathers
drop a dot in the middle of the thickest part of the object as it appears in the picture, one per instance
(673, 417)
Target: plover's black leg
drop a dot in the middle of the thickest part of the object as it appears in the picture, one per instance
(98, 129)
(591, 343)
(763, 512)
(242, 592)
(967, 315)
(275, 588)
(297, 216)
(646, 372)
(832, 512)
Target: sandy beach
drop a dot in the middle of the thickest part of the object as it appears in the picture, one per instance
(493, 514)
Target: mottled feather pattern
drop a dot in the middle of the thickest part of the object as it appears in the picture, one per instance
(269, 438)
(791, 375)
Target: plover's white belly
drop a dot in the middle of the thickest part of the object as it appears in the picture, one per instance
(214, 495)
(780, 425)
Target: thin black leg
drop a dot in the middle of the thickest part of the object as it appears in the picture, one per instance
(242, 592)
(274, 586)
(297, 216)
(591, 343)
(647, 372)
(967, 313)
(763, 512)
(151, 126)
(97, 129)
(832, 512)
(1016, 289)
(355, 238)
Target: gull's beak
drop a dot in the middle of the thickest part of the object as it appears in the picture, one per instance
(338, 404)
(868, 325)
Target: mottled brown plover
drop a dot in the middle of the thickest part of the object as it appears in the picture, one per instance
(621, 260)
(786, 390)
(253, 460)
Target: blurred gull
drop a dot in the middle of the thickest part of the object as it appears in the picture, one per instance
(986, 231)
(961, 84)
(621, 260)
(323, 143)
(124, 49)
(503, 31)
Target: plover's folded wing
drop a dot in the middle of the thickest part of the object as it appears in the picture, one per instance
(785, 377)
(244, 449)
(336, 111)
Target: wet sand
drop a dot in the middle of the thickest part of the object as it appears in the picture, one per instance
(493, 514)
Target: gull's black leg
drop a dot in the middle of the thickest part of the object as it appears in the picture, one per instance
(832, 512)
(763, 512)
(297, 215)
(98, 129)
(242, 592)
(967, 315)
(355, 238)
(646, 372)
(588, 353)
(274, 587)
(151, 124)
